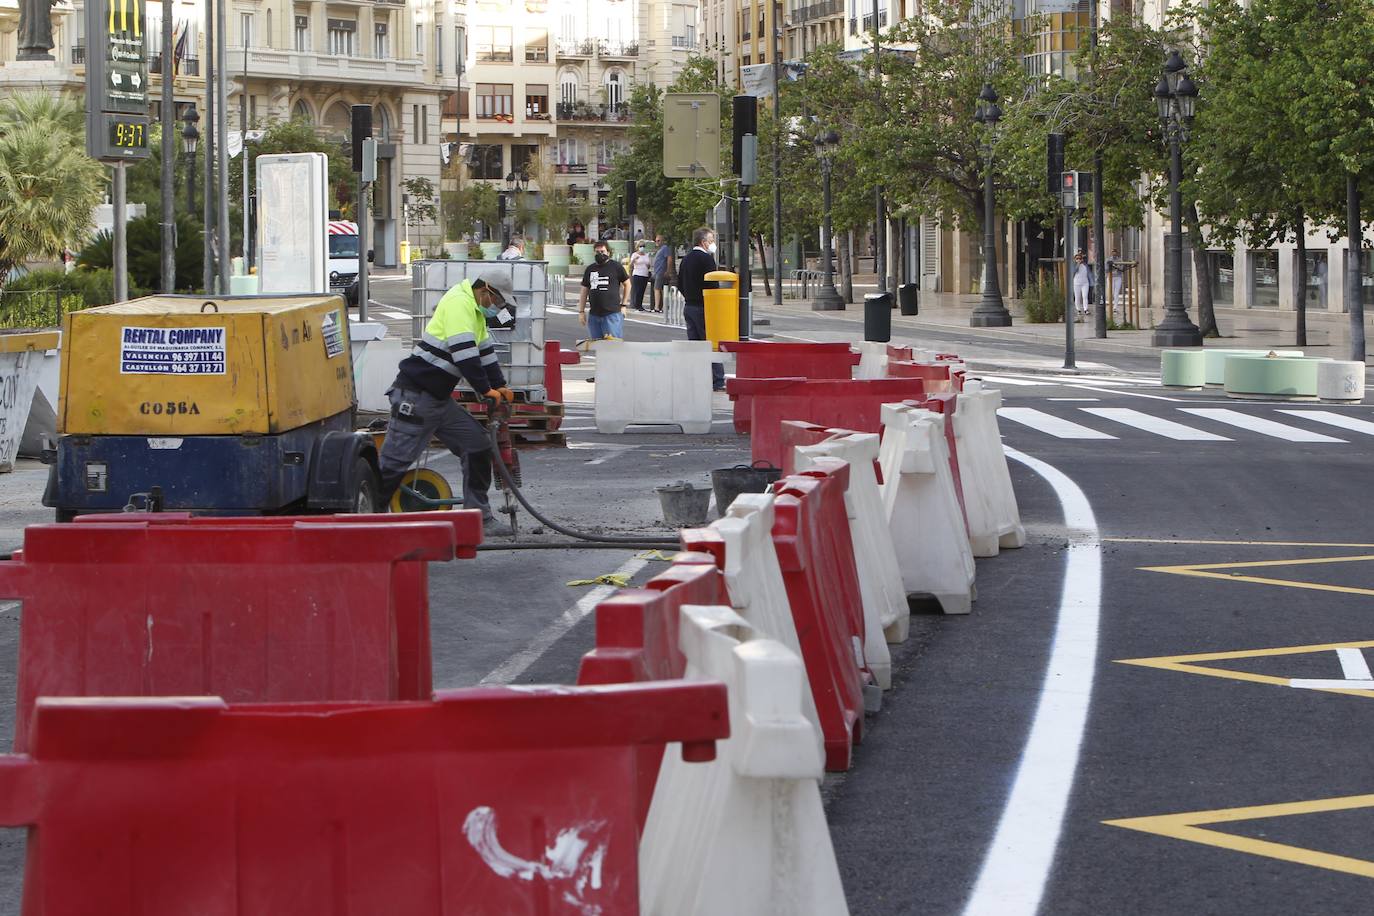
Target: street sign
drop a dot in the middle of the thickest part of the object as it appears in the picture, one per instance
(691, 135)
(117, 120)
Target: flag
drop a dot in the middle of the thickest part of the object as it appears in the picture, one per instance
(179, 51)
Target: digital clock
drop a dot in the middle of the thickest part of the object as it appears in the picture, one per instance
(130, 133)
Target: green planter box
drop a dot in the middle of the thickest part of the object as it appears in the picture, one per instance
(1182, 368)
(1265, 377)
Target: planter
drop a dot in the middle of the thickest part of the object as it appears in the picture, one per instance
(1341, 381)
(1272, 377)
(620, 248)
(584, 253)
(490, 250)
(559, 258)
(1182, 368)
(1215, 360)
(458, 251)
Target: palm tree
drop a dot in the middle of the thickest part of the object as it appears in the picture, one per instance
(49, 187)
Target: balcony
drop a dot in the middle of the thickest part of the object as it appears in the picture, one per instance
(819, 11)
(682, 41)
(78, 55)
(495, 55)
(868, 21)
(536, 55)
(536, 6)
(576, 48)
(573, 168)
(582, 113)
(269, 63)
(187, 66)
(618, 49)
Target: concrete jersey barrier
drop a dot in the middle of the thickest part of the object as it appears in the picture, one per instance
(21, 366)
(922, 510)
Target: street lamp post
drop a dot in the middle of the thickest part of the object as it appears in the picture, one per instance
(991, 312)
(828, 299)
(1176, 98)
(190, 137)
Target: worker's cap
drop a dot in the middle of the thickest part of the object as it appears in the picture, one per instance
(499, 282)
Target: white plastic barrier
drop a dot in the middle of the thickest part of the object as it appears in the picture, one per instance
(21, 363)
(880, 578)
(922, 508)
(746, 833)
(40, 431)
(872, 360)
(753, 578)
(661, 383)
(994, 522)
(1340, 380)
(376, 358)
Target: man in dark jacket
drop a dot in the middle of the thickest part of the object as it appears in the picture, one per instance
(692, 282)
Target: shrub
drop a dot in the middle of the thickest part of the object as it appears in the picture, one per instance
(1044, 299)
(40, 298)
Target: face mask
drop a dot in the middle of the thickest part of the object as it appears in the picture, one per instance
(711, 248)
(490, 312)
(602, 258)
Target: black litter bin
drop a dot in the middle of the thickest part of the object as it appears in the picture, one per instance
(907, 295)
(878, 317)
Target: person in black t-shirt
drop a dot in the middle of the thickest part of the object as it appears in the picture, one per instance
(606, 286)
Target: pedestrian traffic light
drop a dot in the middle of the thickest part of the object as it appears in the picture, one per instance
(1074, 187)
(746, 121)
(631, 197)
(361, 118)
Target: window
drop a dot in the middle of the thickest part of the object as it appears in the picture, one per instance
(420, 42)
(424, 124)
(341, 34)
(381, 40)
(246, 30)
(302, 41)
(567, 88)
(1223, 264)
(415, 123)
(537, 46)
(484, 161)
(571, 151)
(523, 159)
(267, 35)
(537, 101)
(493, 43)
(1264, 279)
(615, 89)
(438, 49)
(494, 101)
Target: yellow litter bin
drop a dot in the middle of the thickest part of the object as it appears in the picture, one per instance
(405, 253)
(722, 307)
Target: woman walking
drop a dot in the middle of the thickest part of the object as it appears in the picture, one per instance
(641, 270)
(1082, 284)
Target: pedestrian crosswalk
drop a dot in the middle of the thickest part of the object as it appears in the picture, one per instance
(1192, 424)
(1083, 381)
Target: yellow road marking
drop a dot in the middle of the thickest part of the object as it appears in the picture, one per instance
(1207, 571)
(1189, 826)
(1187, 664)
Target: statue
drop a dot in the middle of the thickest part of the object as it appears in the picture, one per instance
(35, 29)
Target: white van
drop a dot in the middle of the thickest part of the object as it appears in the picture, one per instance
(343, 259)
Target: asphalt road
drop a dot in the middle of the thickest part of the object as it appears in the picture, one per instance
(1073, 649)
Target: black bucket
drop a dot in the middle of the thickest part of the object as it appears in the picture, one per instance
(742, 478)
(684, 506)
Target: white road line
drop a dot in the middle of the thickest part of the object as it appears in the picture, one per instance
(1258, 424)
(1311, 684)
(1353, 665)
(521, 661)
(1078, 379)
(1080, 400)
(1331, 418)
(1014, 382)
(1020, 858)
(1052, 425)
(1152, 424)
(394, 316)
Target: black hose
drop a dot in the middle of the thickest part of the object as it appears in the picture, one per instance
(602, 540)
(571, 545)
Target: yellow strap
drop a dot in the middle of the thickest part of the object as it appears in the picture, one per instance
(656, 555)
(608, 579)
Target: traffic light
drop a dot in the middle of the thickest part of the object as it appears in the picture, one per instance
(631, 197)
(362, 130)
(1054, 146)
(746, 121)
(1074, 188)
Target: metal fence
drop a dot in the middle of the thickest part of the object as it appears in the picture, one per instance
(39, 308)
(672, 308)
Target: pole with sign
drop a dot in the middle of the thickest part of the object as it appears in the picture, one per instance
(117, 103)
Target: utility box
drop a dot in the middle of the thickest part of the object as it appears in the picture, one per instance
(722, 307)
(192, 366)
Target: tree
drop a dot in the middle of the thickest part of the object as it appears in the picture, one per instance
(470, 204)
(300, 135)
(421, 209)
(49, 188)
(144, 252)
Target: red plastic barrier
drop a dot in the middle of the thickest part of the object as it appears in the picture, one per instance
(555, 358)
(852, 404)
(251, 610)
(637, 640)
(811, 533)
(484, 801)
(798, 432)
(899, 353)
(762, 359)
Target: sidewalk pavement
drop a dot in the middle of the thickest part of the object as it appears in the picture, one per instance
(950, 313)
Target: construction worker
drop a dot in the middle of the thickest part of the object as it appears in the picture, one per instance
(455, 345)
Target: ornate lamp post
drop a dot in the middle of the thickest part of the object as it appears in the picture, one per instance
(1176, 96)
(828, 299)
(991, 312)
(190, 137)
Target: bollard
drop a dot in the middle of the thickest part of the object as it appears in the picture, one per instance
(878, 317)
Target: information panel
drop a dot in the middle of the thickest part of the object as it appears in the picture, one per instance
(116, 80)
(292, 225)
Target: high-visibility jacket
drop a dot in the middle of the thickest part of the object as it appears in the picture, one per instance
(455, 345)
